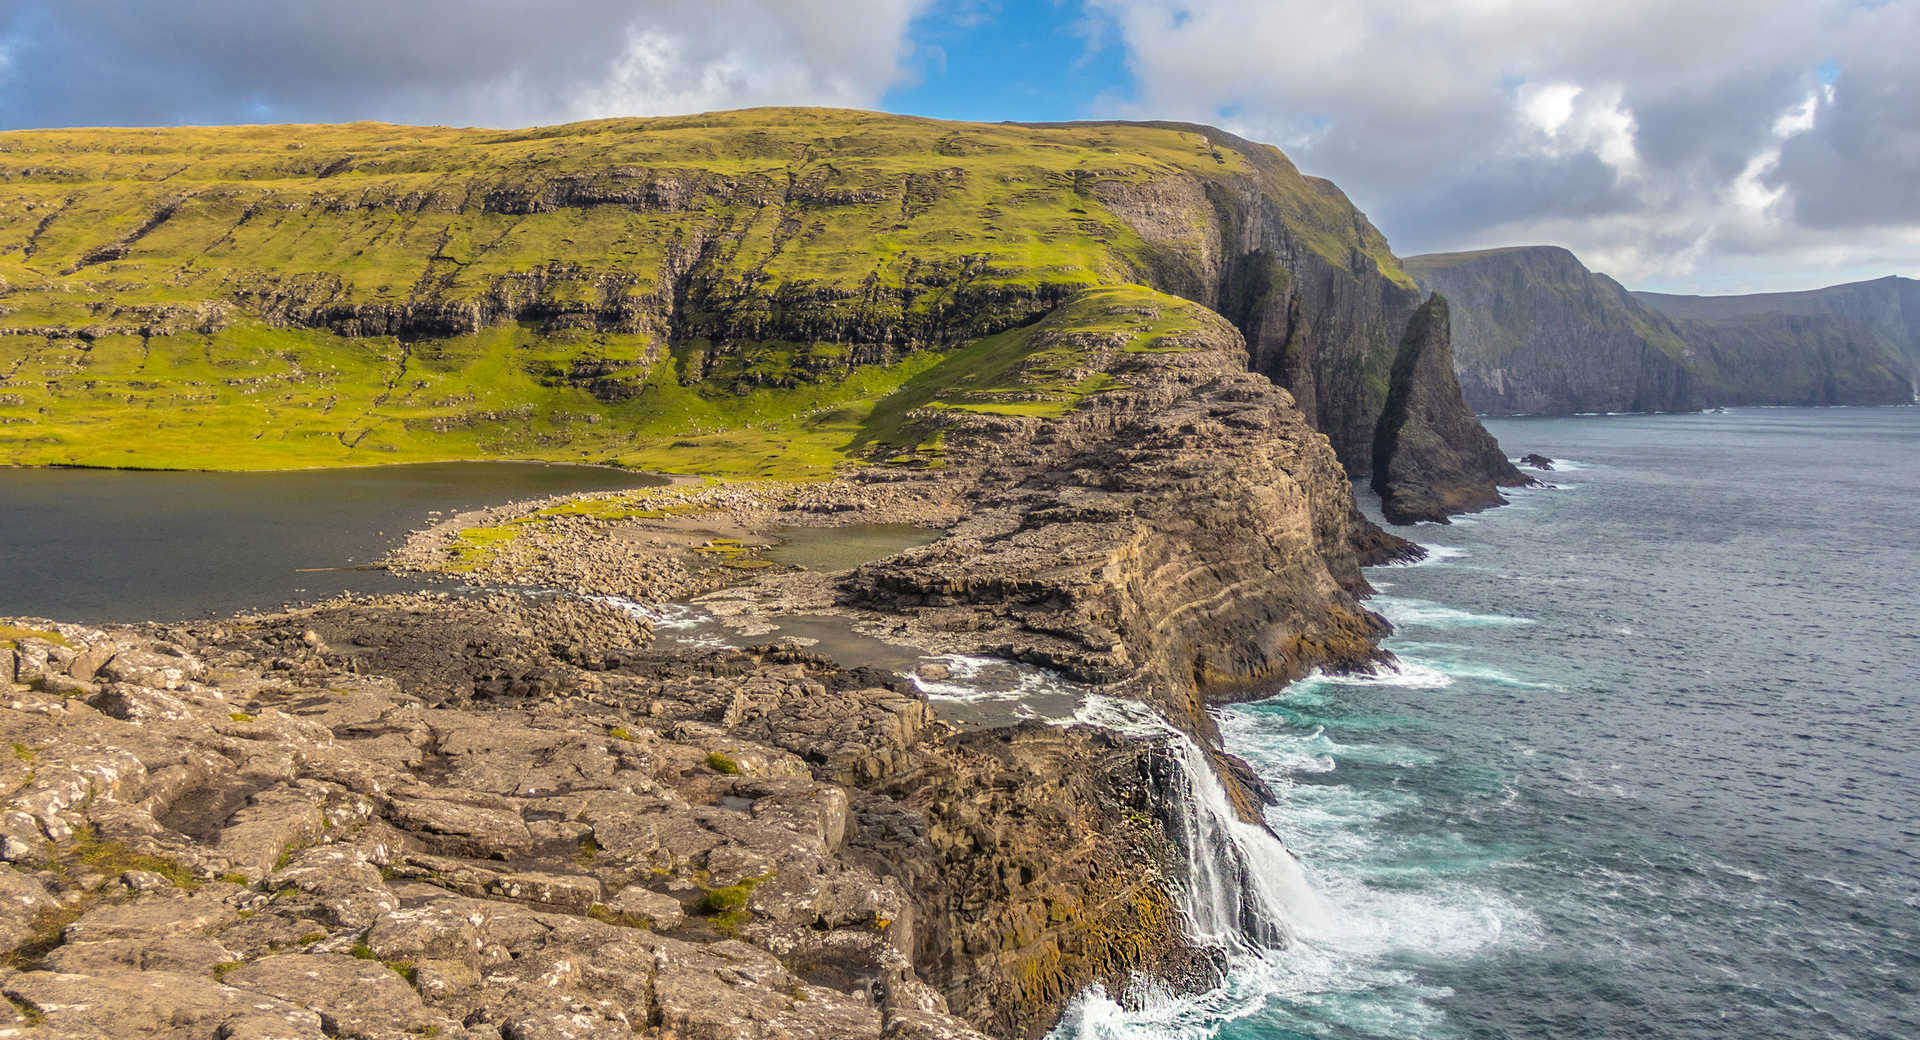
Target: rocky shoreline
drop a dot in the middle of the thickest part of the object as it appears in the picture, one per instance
(524, 815)
(433, 815)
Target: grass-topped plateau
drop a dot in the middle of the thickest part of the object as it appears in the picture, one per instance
(747, 294)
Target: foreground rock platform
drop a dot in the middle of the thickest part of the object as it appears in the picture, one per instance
(248, 830)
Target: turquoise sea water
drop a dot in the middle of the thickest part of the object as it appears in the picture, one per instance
(1650, 766)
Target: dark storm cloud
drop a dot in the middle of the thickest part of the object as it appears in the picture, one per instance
(1858, 165)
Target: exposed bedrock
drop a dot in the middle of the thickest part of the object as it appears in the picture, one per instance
(528, 289)
(1432, 457)
(247, 829)
(1534, 331)
(1321, 305)
(1328, 332)
(1185, 533)
(516, 817)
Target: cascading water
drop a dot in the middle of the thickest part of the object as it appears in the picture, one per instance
(1243, 895)
(1243, 891)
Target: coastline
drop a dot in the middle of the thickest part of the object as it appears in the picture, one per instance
(1017, 864)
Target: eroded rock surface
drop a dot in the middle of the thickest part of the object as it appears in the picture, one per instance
(1182, 535)
(1433, 459)
(429, 816)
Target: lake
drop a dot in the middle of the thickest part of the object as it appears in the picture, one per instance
(98, 546)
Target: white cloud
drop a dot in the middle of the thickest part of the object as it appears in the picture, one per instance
(486, 62)
(1548, 106)
(1752, 196)
(1572, 120)
(738, 53)
(1671, 142)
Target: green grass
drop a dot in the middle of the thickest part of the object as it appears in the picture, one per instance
(1043, 369)
(726, 906)
(473, 546)
(112, 859)
(162, 291)
(10, 634)
(91, 858)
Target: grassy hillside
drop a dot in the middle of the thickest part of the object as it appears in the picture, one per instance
(730, 293)
(1523, 286)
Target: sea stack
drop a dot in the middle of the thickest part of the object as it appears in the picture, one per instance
(1431, 457)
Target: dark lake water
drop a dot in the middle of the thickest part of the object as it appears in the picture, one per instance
(1650, 767)
(106, 545)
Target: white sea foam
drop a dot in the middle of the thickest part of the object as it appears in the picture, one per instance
(1435, 554)
(1402, 673)
(1487, 674)
(973, 679)
(1243, 891)
(1446, 658)
(1385, 900)
(1426, 613)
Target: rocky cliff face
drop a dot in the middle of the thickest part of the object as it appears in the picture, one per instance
(1536, 332)
(1185, 529)
(1432, 458)
(1300, 272)
(601, 290)
(521, 816)
(1851, 343)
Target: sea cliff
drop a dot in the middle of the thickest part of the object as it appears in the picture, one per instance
(1123, 374)
(1535, 331)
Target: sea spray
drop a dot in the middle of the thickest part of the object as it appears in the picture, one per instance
(1243, 891)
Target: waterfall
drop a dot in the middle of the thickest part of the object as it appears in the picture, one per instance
(1243, 891)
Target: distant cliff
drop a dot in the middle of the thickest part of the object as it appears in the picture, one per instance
(1857, 343)
(1535, 331)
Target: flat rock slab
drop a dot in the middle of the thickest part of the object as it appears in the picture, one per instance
(361, 999)
(155, 1005)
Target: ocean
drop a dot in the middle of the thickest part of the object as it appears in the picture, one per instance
(1649, 765)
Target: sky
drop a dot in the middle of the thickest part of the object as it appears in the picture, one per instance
(1678, 145)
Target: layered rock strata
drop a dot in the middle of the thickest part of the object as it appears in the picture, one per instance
(1182, 535)
(1432, 458)
(522, 816)
(425, 816)
(372, 293)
